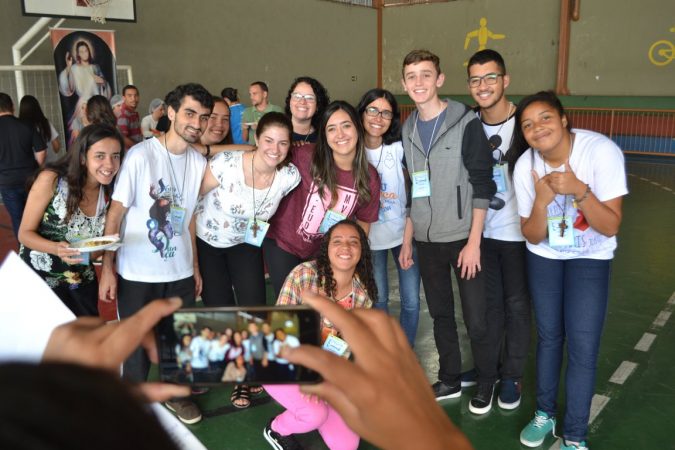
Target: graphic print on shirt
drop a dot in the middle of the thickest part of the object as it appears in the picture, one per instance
(316, 208)
(389, 201)
(160, 229)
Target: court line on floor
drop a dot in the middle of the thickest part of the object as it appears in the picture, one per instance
(626, 368)
(655, 183)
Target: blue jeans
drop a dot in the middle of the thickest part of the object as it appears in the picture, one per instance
(14, 199)
(570, 304)
(409, 288)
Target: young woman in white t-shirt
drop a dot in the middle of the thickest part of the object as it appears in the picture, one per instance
(242, 190)
(569, 186)
(381, 120)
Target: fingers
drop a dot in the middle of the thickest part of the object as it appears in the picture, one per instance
(161, 392)
(133, 331)
(338, 399)
(349, 325)
(331, 367)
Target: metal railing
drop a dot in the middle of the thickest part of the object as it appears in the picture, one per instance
(635, 131)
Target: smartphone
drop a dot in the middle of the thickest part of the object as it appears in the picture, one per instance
(209, 346)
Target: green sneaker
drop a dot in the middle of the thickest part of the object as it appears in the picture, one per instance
(535, 432)
(564, 445)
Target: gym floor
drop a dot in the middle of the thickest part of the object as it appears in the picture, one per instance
(635, 392)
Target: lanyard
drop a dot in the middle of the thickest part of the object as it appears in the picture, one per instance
(255, 211)
(431, 141)
(173, 173)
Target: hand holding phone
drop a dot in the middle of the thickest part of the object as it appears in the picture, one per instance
(236, 345)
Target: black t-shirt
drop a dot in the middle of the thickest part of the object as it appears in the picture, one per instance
(18, 144)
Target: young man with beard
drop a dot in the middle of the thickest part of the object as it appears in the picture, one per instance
(503, 243)
(155, 195)
(449, 163)
(259, 93)
(128, 120)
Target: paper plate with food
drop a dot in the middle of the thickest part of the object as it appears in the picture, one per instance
(96, 243)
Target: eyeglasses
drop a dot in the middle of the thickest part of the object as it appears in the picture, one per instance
(298, 97)
(374, 112)
(490, 79)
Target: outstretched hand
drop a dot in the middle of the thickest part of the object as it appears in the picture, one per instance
(383, 395)
(91, 342)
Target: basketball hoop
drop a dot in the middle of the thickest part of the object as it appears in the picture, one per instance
(99, 8)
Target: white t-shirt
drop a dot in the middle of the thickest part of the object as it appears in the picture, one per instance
(223, 213)
(149, 181)
(503, 224)
(200, 348)
(596, 161)
(290, 342)
(387, 232)
(51, 155)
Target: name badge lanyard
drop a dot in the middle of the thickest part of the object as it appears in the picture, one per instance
(495, 141)
(255, 227)
(177, 213)
(563, 224)
(330, 216)
(421, 183)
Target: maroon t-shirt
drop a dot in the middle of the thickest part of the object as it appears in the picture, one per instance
(295, 225)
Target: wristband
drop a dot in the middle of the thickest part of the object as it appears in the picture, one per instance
(583, 197)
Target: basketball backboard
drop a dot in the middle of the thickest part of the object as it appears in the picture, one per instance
(120, 10)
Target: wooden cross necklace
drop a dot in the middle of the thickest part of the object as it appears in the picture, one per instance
(255, 227)
(563, 224)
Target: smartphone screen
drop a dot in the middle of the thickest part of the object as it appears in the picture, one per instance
(235, 345)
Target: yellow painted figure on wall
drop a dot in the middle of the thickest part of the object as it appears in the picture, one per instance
(482, 34)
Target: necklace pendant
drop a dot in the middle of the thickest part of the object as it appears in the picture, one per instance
(563, 227)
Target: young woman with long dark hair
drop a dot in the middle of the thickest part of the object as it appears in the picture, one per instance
(379, 113)
(31, 112)
(67, 202)
(337, 183)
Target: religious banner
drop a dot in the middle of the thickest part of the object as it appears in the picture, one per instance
(85, 66)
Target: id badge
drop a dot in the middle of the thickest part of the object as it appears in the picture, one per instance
(499, 177)
(421, 187)
(331, 218)
(336, 345)
(560, 232)
(255, 232)
(177, 219)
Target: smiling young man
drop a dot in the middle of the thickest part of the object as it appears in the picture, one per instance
(128, 121)
(155, 195)
(503, 243)
(449, 162)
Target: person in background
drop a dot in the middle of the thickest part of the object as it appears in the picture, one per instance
(128, 121)
(149, 123)
(31, 113)
(306, 101)
(231, 97)
(100, 112)
(260, 105)
(382, 126)
(116, 102)
(22, 151)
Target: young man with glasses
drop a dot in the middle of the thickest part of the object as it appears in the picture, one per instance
(450, 164)
(258, 93)
(503, 243)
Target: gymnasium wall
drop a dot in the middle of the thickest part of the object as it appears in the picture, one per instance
(231, 43)
(608, 48)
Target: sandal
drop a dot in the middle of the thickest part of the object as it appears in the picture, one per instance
(256, 390)
(240, 396)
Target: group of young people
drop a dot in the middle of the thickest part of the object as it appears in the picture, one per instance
(515, 202)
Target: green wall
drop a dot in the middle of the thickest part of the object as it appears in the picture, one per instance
(231, 43)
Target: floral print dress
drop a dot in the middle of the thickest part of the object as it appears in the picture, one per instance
(54, 227)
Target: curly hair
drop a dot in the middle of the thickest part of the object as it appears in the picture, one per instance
(364, 268)
(322, 98)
